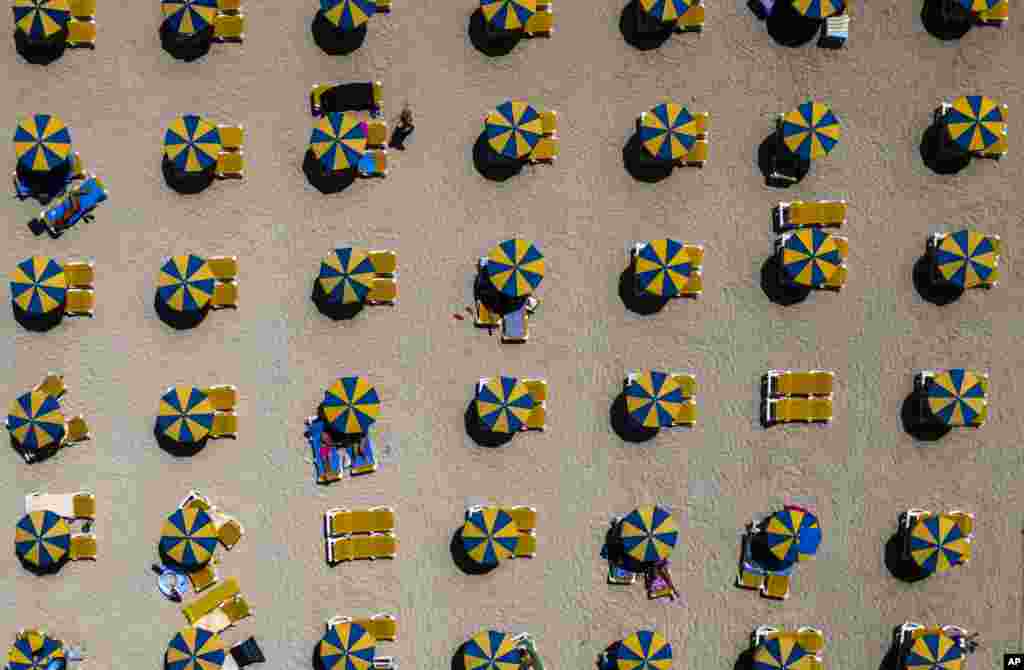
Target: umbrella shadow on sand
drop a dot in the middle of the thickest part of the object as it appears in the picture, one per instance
(492, 166)
(41, 53)
(641, 165)
(335, 42)
(466, 564)
(51, 569)
(34, 456)
(624, 427)
(788, 28)
(635, 301)
(945, 20)
(479, 434)
(900, 566)
(178, 449)
(186, 183)
(179, 320)
(936, 154)
(781, 293)
(337, 311)
(326, 183)
(930, 288)
(773, 160)
(186, 48)
(488, 43)
(918, 425)
(37, 323)
(744, 661)
(638, 33)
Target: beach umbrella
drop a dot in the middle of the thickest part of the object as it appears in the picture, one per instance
(41, 142)
(35, 651)
(187, 17)
(185, 415)
(195, 649)
(38, 285)
(513, 129)
(811, 130)
(508, 14)
(186, 283)
(351, 405)
(40, 19)
(188, 538)
(663, 268)
(489, 535)
(792, 535)
(491, 650)
(35, 421)
(668, 131)
(781, 652)
(810, 257)
(192, 143)
(515, 267)
(956, 397)
(818, 9)
(503, 404)
(975, 122)
(934, 651)
(346, 646)
(347, 14)
(966, 258)
(644, 650)
(338, 141)
(648, 534)
(666, 11)
(346, 276)
(42, 539)
(653, 399)
(937, 543)
(978, 5)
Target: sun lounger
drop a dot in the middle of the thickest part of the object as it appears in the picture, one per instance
(965, 520)
(838, 280)
(381, 626)
(515, 326)
(203, 578)
(80, 302)
(211, 600)
(748, 578)
(485, 318)
(216, 621)
(229, 530)
(384, 262)
(524, 516)
(761, 634)
(340, 521)
(541, 24)
(374, 163)
(776, 586)
(687, 415)
(538, 389)
(835, 32)
(549, 122)
(83, 547)
(619, 576)
(696, 254)
(703, 120)
(231, 137)
(687, 384)
(77, 430)
(693, 20)
(225, 424)
(225, 296)
(340, 549)
(996, 16)
(81, 34)
(223, 397)
(195, 499)
(79, 274)
(237, 609)
(789, 410)
(698, 154)
(53, 385)
(537, 418)
(229, 6)
(362, 463)
(694, 285)
(374, 546)
(383, 291)
(526, 546)
(789, 383)
(811, 639)
(224, 268)
(376, 133)
(230, 165)
(83, 9)
(546, 150)
(229, 28)
(81, 505)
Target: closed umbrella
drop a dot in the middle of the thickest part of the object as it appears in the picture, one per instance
(42, 142)
(810, 257)
(185, 283)
(937, 543)
(42, 539)
(192, 144)
(36, 422)
(185, 415)
(648, 534)
(195, 649)
(513, 129)
(347, 14)
(338, 141)
(346, 646)
(644, 650)
(966, 258)
(489, 535)
(346, 276)
(811, 130)
(653, 399)
(503, 404)
(515, 267)
(187, 17)
(188, 538)
(975, 122)
(35, 651)
(38, 285)
(491, 650)
(41, 19)
(956, 397)
(663, 268)
(351, 405)
(934, 651)
(668, 131)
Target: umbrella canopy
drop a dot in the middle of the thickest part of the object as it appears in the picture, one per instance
(811, 130)
(346, 646)
(781, 652)
(35, 651)
(338, 141)
(644, 650)
(975, 122)
(934, 651)
(42, 142)
(810, 257)
(648, 534)
(35, 421)
(188, 538)
(192, 143)
(653, 399)
(40, 19)
(491, 650)
(351, 405)
(346, 276)
(937, 543)
(195, 649)
(792, 535)
(347, 14)
(38, 285)
(186, 283)
(668, 131)
(663, 267)
(510, 15)
(503, 404)
(818, 9)
(966, 258)
(515, 267)
(956, 397)
(978, 5)
(42, 539)
(185, 415)
(513, 129)
(187, 17)
(666, 11)
(489, 535)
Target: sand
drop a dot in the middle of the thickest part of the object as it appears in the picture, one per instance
(439, 214)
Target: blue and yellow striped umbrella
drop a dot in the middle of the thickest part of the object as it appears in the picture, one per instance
(782, 652)
(347, 14)
(35, 651)
(818, 9)
(510, 15)
(186, 283)
(975, 122)
(491, 650)
(38, 285)
(653, 399)
(666, 11)
(192, 143)
(811, 130)
(513, 129)
(185, 415)
(978, 5)
(937, 543)
(648, 534)
(346, 276)
(42, 142)
(515, 267)
(42, 539)
(338, 141)
(644, 650)
(503, 404)
(934, 651)
(346, 646)
(35, 421)
(351, 405)
(668, 131)
(188, 538)
(663, 268)
(966, 258)
(40, 19)
(956, 397)
(810, 257)
(489, 535)
(195, 649)
(187, 17)
(792, 535)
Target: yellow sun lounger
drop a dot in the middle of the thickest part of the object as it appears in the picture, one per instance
(81, 505)
(231, 137)
(81, 34)
(341, 521)
(223, 397)
(203, 578)
(237, 608)
(687, 415)
(383, 291)
(225, 296)
(211, 600)
(230, 165)
(693, 20)
(703, 120)
(965, 520)
(746, 579)
(687, 384)
(376, 133)
(485, 318)
(776, 586)
(526, 546)
(811, 639)
(381, 626)
(229, 27)
(549, 122)
(537, 419)
(224, 268)
(838, 280)
(83, 547)
(80, 302)
(53, 385)
(229, 529)
(77, 430)
(821, 214)
(229, 6)
(83, 9)
(79, 274)
(384, 262)
(788, 382)
(541, 24)
(996, 16)
(225, 424)
(790, 410)
(694, 286)
(545, 151)
(374, 546)
(524, 516)
(698, 154)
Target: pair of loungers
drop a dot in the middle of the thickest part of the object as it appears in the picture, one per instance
(1001, 147)
(811, 640)
(687, 414)
(384, 287)
(538, 388)
(818, 214)
(771, 584)
(694, 284)
(905, 524)
(220, 607)
(525, 518)
(921, 384)
(515, 326)
(382, 626)
(798, 396)
(229, 529)
(80, 506)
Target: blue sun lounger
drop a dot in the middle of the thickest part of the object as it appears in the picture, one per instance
(74, 206)
(326, 461)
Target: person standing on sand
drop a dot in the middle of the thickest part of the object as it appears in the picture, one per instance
(403, 129)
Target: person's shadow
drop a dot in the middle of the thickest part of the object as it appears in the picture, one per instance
(788, 28)
(643, 304)
(784, 294)
(945, 20)
(490, 44)
(780, 167)
(641, 165)
(642, 33)
(626, 428)
(930, 288)
(490, 164)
